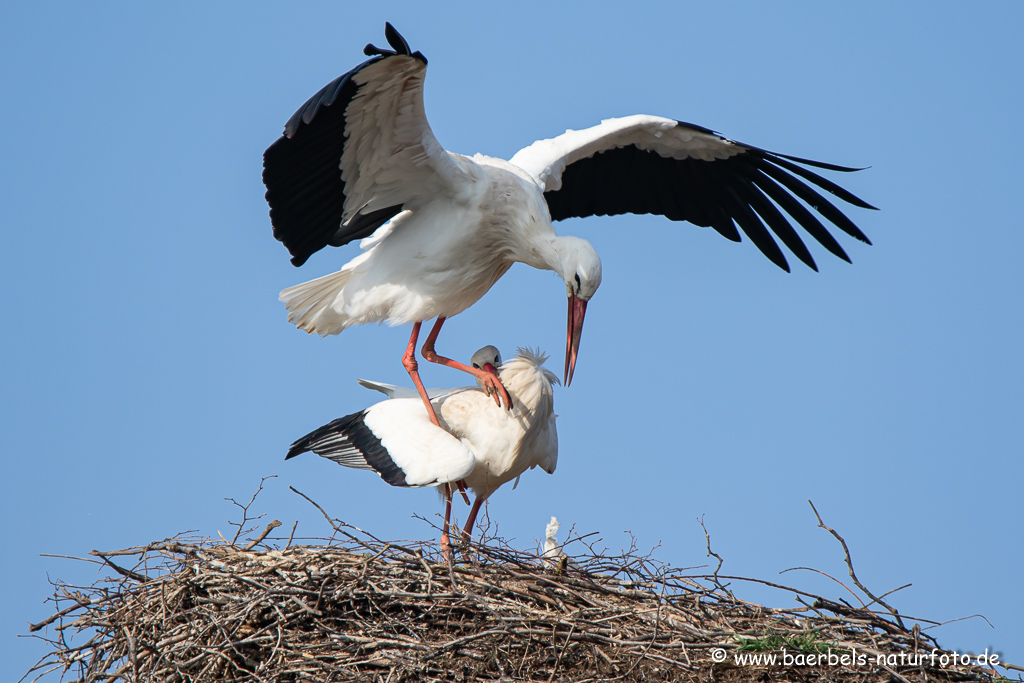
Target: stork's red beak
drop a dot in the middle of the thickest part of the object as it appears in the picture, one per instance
(490, 368)
(577, 309)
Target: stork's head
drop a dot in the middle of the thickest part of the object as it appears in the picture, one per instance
(487, 359)
(580, 268)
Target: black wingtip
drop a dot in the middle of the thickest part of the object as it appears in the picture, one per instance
(395, 39)
(817, 164)
(306, 443)
(397, 42)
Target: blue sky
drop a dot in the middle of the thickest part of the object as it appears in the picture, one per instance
(149, 371)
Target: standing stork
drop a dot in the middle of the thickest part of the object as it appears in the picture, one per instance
(359, 161)
(477, 441)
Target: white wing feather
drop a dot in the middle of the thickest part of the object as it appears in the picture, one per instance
(546, 160)
(427, 455)
(395, 391)
(392, 156)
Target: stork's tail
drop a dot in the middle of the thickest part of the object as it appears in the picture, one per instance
(311, 304)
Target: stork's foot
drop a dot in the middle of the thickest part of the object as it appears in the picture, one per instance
(488, 379)
(461, 483)
(495, 389)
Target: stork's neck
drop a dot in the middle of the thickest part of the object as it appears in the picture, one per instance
(517, 214)
(551, 252)
(540, 252)
(572, 258)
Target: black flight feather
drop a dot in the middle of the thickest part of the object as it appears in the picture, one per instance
(301, 171)
(723, 194)
(349, 442)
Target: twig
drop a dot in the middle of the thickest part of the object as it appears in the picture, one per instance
(245, 509)
(818, 571)
(853, 575)
(560, 653)
(970, 616)
(67, 610)
(256, 541)
(121, 570)
(711, 553)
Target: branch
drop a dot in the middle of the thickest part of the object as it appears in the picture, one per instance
(270, 527)
(853, 574)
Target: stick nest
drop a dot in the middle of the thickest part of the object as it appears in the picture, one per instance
(356, 608)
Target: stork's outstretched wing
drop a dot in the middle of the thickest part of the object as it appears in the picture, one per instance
(649, 164)
(355, 154)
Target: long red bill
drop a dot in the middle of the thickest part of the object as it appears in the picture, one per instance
(577, 309)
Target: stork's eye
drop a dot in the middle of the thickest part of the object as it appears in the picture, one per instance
(497, 360)
(476, 366)
(578, 285)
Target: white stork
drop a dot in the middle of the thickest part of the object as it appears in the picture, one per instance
(477, 442)
(359, 161)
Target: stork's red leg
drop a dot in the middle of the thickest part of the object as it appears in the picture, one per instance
(409, 361)
(467, 531)
(492, 385)
(412, 367)
(446, 543)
